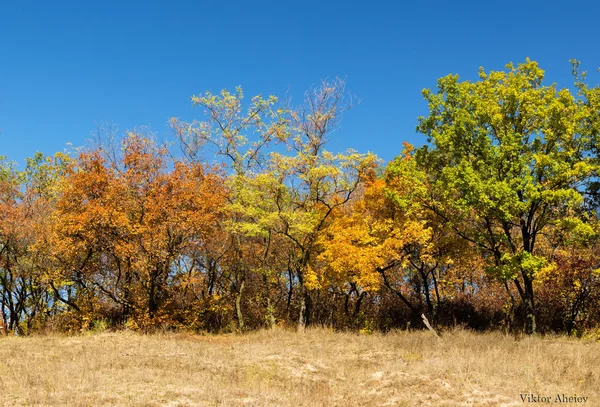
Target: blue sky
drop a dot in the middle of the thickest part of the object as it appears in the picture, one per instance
(67, 66)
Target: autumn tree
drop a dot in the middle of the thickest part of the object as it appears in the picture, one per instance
(570, 287)
(122, 227)
(307, 187)
(366, 245)
(26, 203)
(507, 156)
(240, 137)
(388, 238)
(14, 290)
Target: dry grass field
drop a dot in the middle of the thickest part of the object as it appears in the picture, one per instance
(281, 368)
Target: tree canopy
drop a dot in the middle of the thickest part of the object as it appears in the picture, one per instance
(247, 219)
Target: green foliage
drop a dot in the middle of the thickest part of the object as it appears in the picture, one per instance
(507, 162)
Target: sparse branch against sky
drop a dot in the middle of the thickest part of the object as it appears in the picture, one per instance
(67, 66)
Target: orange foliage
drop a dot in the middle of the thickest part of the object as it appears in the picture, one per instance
(121, 228)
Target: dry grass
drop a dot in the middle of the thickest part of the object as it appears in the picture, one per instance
(280, 368)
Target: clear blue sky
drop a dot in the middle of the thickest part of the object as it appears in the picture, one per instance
(66, 66)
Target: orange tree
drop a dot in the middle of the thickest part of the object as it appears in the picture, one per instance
(121, 227)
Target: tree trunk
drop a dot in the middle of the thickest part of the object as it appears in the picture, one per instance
(526, 294)
(152, 303)
(270, 311)
(357, 305)
(290, 293)
(425, 285)
(270, 314)
(238, 305)
(530, 325)
(302, 314)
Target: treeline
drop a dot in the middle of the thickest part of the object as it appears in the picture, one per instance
(246, 220)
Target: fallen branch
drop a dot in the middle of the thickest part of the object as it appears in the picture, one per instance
(428, 325)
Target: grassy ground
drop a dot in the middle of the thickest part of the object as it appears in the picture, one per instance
(280, 368)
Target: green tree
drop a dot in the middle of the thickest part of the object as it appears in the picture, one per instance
(507, 160)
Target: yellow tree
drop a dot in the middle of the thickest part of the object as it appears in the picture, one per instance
(303, 190)
(388, 238)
